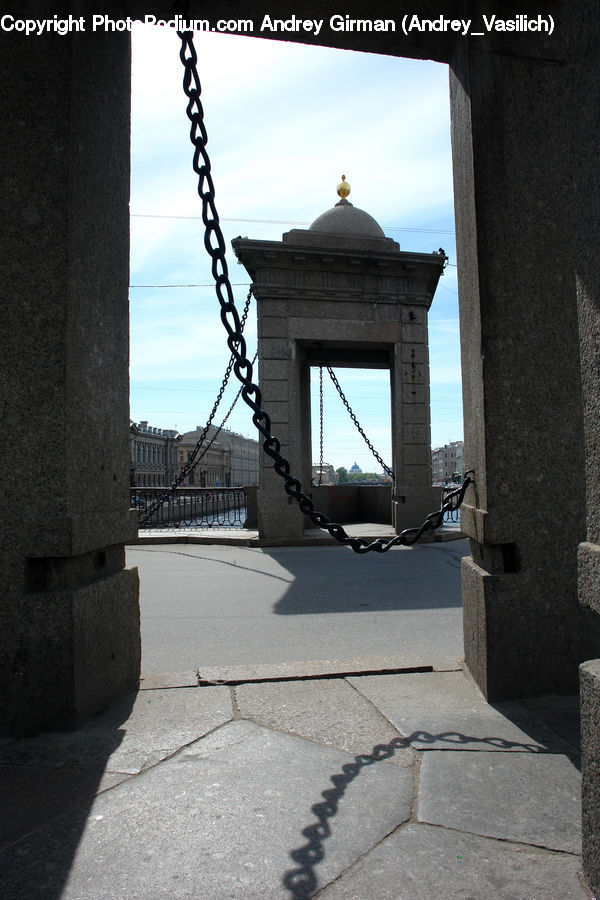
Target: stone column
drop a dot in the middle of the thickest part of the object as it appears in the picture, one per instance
(69, 628)
(524, 633)
(585, 123)
(279, 377)
(413, 497)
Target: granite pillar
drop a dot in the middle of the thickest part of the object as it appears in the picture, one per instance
(585, 125)
(524, 632)
(69, 625)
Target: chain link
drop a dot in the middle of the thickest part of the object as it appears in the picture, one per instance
(358, 425)
(242, 367)
(321, 424)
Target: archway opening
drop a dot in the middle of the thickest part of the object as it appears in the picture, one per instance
(271, 181)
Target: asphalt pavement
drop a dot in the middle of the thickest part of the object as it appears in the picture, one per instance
(227, 605)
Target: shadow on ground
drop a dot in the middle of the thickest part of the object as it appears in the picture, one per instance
(552, 722)
(55, 778)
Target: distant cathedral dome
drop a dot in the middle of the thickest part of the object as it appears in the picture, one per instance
(355, 469)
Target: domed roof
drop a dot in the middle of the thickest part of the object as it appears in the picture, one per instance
(344, 227)
(344, 218)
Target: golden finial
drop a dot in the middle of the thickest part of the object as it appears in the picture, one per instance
(343, 188)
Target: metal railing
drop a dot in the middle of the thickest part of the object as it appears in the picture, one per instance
(452, 514)
(191, 507)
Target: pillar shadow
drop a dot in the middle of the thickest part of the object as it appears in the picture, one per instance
(52, 777)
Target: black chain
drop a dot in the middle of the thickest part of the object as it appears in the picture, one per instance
(358, 425)
(321, 424)
(214, 242)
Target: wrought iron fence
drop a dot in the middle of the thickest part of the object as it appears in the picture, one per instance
(191, 507)
(452, 514)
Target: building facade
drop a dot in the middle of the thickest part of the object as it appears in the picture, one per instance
(213, 469)
(447, 462)
(153, 460)
(243, 453)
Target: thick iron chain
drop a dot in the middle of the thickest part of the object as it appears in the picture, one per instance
(320, 424)
(357, 423)
(214, 243)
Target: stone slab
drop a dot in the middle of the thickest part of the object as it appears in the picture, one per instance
(33, 796)
(134, 734)
(152, 681)
(420, 862)
(319, 668)
(235, 815)
(445, 710)
(533, 798)
(328, 711)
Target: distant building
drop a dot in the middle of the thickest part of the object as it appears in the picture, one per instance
(324, 474)
(152, 455)
(355, 470)
(157, 456)
(242, 453)
(213, 466)
(448, 461)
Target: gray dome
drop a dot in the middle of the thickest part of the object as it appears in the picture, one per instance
(346, 219)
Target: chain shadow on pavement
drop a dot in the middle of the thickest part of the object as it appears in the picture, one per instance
(301, 881)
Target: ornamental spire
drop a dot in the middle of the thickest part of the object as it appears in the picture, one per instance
(343, 188)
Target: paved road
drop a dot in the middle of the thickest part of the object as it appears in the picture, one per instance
(222, 605)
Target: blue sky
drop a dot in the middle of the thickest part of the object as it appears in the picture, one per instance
(284, 122)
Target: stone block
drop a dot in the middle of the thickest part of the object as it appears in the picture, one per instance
(420, 477)
(338, 310)
(415, 434)
(278, 513)
(533, 798)
(511, 643)
(414, 353)
(446, 711)
(414, 393)
(416, 455)
(282, 432)
(273, 391)
(414, 373)
(274, 369)
(133, 734)
(354, 330)
(415, 414)
(413, 333)
(328, 711)
(278, 411)
(413, 315)
(588, 559)
(82, 651)
(272, 326)
(414, 507)
(415, 860)
(273, 308)
(590, 794)
(275, 348)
